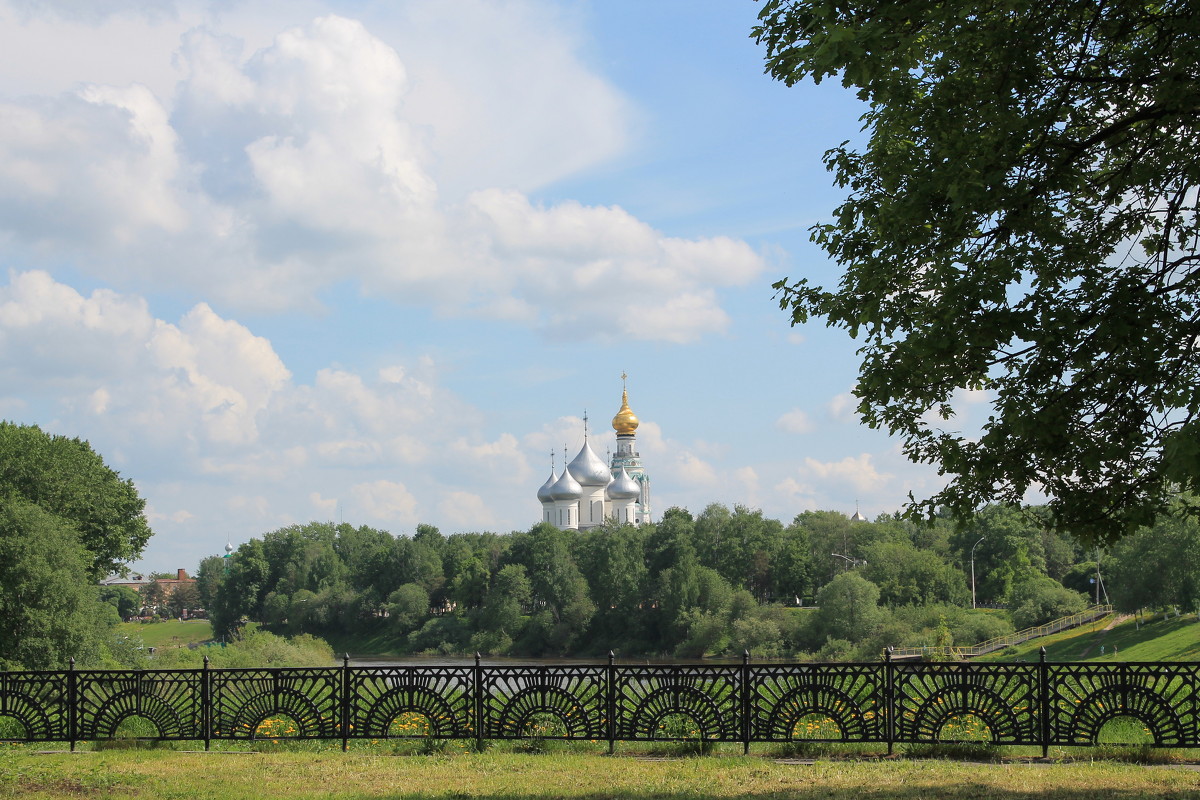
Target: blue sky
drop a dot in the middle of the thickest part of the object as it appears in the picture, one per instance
(371, 261)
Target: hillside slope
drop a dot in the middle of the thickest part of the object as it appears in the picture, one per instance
(1176, 639)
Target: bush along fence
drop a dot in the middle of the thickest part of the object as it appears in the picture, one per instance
(888, 702)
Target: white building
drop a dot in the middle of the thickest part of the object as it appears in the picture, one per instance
(588, 492)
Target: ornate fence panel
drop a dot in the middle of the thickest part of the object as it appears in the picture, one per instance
(678, 702)
(818, 702)
(277, 703)
(1161, 699)
(411, 702)
(967, 702)
(1039, 704)
(36, 705)
(166, 701)
(547, 702)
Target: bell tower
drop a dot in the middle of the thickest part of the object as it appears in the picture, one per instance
(626, 457)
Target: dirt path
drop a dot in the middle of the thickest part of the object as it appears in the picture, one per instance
(1098, 639)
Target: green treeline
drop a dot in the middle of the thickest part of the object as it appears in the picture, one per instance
(717, 583)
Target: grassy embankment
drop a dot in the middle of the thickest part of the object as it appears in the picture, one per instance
(171, 633)
(1175, 639)
(561, 776)
(379, 643)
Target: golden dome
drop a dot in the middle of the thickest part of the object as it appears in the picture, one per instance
(625, 421)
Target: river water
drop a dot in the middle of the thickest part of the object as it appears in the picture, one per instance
(504, 661)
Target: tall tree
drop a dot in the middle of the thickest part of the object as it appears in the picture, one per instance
(1008, 549)
(242, 590)
(849, 607)
(209, 579)
(1158, 566)
(1022, 220)
(49, 607)
(908, 576)
(500, 619)
(557, 582)
(184, 596)
(68, 479)
(791, 570)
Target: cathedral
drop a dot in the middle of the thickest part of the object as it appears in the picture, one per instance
(589, 492)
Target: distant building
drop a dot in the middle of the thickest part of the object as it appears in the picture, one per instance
(588, 492)
(136, 582)
(168, 586)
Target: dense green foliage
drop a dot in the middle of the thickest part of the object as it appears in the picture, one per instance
(256, 648)
(178, 645)
(66, 520)
(49, 609)
(1021, 219)
(718, 583)
(1158, 567)
(67, 479)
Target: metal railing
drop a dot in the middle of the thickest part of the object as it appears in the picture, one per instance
(1044, 704)
(1008, 640)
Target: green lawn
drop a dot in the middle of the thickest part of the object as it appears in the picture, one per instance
(1177, 639)
(171, 633)
(564, 776)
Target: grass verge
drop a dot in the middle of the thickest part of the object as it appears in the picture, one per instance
(563, 776)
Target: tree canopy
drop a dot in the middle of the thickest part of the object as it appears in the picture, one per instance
(70, 481)
(49, 611)
(1022, 219)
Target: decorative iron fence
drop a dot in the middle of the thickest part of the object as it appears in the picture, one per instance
(889, 702)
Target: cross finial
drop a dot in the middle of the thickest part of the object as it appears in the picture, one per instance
(585, 421)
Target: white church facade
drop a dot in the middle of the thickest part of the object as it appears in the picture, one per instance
(588, 491)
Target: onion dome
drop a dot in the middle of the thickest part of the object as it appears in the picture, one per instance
(625, 421)
(566, 488)
(543, 493)
(228, 548)
(588, 469)
(623, 487)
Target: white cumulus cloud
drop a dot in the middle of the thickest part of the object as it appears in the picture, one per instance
(795, 421)
(267, 176)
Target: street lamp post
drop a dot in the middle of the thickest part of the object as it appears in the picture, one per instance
(981, 538)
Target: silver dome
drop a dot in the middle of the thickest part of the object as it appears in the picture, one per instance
(588, 469)
(543, 493)
(566, 488)
(623, 487)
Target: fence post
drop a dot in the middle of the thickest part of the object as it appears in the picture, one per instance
(745, 702)
(72, 699)
(206, 705)
(610, 704)
(1044, 680)
(889, 697)
(478, 704)
(345, 710)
